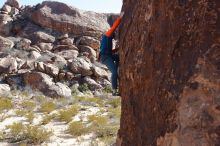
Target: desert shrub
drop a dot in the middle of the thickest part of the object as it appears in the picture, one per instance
(21, 112)
(30, 117)
(83, 88)
(47, 119)
(98, 120)
(67, 114)
(107, 89)
(114, 102)
(28, 105)
(5, 104)
(77, 129)
(31, 134)
(114, 112)
(47, 107)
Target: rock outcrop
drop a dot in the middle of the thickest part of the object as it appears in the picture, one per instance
(50, 47)
(170, 58)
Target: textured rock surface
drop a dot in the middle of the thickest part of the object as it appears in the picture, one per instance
(60, 17)
(170, 58)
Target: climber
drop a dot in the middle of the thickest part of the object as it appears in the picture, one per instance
(107, 54)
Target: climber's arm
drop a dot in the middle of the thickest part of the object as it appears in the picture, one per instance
(114, 26)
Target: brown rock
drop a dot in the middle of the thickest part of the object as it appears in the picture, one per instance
(169, 73)
(89, 41)
(6, 8)
(68, 54)
(67, 41)
(60, 17)
(8, 64)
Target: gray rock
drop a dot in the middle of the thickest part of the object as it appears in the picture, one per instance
(6, 8)
(4, 89)
(64, 36)
(59, 48)
(51, 69)
(43, 37)
(45, 46)
(8, 64)
(43, 83)
(23, 44)
(67, 41)
(34, 55)
(5, 43)
(89, 41)
(81, 66)
(99, 72)
(93, 85)
(68, 54)
(5, 24)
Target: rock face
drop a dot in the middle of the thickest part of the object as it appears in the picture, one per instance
(170, 58)
(60, 17)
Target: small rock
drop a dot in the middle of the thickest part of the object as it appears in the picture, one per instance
(43, 37)
(23, 44)
(8, 64)
(67, 41)
(69, 54)
(64, 36)
(93, 85)
(4, 89)
(34, 54)
(45, 46)
(5, 43)
(59, 48)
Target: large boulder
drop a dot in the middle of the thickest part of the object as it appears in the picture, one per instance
(90, 51)
(43, 83)
(93, 85)
(170, 73)
(5, 44)
(81, 66)
(4, 89)
(63, 18)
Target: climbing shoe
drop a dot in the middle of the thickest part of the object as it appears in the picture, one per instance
(115, 93)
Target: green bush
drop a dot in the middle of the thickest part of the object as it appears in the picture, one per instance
(107, 89)
(83, 88)
(48, 107)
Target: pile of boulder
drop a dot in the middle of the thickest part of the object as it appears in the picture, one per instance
(51, 47)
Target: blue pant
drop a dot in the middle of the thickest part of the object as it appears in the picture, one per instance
(111, 61)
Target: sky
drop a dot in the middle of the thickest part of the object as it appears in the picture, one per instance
(103, 6)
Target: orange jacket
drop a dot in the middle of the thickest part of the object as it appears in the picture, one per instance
(113, 28)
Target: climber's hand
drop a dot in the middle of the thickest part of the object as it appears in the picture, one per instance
(122, 14)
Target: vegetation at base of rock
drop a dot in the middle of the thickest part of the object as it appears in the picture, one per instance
(114, 102)
(67, 114)
(83, 88)
(107, 89)
(48, 107)
(31, 134)
(89, 100)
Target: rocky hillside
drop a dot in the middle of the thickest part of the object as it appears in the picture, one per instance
(170, 73)
(51, 48)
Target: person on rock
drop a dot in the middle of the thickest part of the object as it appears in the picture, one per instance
(107, 54)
